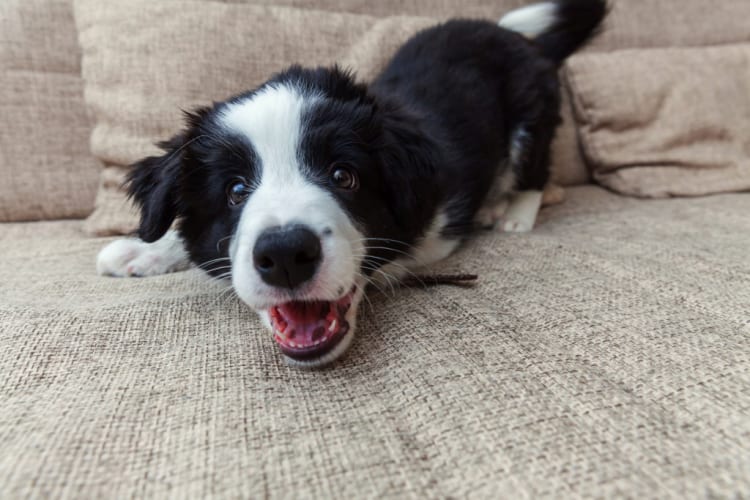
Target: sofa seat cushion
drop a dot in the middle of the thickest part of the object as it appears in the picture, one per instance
(604, 354)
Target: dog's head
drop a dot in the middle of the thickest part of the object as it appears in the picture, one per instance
(298, 191)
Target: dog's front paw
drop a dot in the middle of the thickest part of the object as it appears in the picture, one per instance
(506, 225)
(132, 257)
(488, 216)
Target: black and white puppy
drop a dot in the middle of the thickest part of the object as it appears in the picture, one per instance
(307, 188)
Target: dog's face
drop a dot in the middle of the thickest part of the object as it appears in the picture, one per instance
(298, 191)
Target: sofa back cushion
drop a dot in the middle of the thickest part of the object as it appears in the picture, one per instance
(144, 61)
(672, 23)
(665, 122)
(46, 169)
(616, 88)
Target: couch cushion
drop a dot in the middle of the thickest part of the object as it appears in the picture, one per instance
(45, 165)
(386, 8)
(603, 355)
(672, 23)
(134, 70)
(665, 122)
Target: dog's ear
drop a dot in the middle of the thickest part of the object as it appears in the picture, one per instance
(152, 184)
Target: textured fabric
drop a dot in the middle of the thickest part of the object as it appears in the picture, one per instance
(135, 70)
(384, 8)
(603, 355)
(665, 122)
(45, 165)
(631, 23)
(672, 23)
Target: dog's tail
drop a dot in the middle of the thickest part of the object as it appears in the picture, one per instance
(558, 27)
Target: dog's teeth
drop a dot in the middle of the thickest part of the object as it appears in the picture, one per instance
(333, 326)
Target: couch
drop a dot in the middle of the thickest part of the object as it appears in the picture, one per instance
(604, 354)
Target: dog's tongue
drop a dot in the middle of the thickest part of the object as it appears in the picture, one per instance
(306, 321)
(302, 325)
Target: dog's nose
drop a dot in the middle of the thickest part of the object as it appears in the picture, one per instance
(288, 256)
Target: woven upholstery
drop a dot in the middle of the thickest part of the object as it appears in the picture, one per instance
(604, 354)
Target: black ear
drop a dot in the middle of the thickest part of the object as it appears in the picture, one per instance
(152, 183)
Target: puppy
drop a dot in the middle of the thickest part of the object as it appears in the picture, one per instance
(311, 186)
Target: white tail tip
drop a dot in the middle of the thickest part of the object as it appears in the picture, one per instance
(530, 21)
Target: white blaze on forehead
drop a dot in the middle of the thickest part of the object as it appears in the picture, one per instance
(271, 120)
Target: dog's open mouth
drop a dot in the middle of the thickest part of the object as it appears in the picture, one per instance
(308, 330)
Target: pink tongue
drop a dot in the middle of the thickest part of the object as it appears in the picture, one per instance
(307, 322)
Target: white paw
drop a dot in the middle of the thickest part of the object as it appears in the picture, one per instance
(134, 258)
(485, 218)
(488, 216)
(514, 226)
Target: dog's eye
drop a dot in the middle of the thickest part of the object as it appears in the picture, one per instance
(237, 192)
(344, 178)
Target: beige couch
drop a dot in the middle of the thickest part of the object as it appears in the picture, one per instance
(605, 354)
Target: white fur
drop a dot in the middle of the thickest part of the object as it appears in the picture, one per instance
(519, 146)
(531, 21)
(431, 248)
(497, 199)
(133, 257)
(271, 120)
(490, 213)
(521, 213)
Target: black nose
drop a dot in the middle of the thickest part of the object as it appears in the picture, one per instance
(286, 256)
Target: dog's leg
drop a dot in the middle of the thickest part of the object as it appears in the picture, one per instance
(521, 213)
(489, 214)
(132, 257)
(518, 213)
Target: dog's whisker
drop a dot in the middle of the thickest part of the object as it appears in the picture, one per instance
(386, 277)
(372, 266)
(219, 265)
(213, 261)
(410, 256)
(224, 296)
(364, 292)
(226, 272)
(216, 260)
(223, 270)
(372, 238)
(390, 278)
(388, 282)
(372, 282)
(386, 262)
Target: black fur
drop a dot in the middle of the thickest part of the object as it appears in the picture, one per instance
(432, 131)
(578, 20)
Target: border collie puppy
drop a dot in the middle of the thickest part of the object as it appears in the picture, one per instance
(312, 185)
